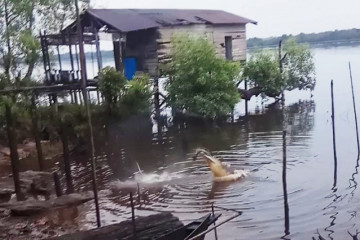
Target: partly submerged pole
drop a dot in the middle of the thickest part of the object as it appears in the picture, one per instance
(333, 130)
(133, 214)
(353, 98)
(86, 103)
(284, 125)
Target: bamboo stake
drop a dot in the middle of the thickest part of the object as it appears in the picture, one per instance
(355, 115)
(284, 125)
(86, 102)
(133, 214)
(333, 131)
(57, 184)
(213, 213)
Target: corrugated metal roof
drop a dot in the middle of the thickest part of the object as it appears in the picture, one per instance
(127, 20)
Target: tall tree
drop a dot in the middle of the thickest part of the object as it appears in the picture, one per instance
(20, 21)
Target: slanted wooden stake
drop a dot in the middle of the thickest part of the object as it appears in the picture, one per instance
(355, 115)
(13, 152)
(333, 130)
(35, 125)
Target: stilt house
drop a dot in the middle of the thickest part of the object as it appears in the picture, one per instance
(141, 37)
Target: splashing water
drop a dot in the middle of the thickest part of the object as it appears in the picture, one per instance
(238, 174)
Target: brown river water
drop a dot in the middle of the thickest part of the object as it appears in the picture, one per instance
(318, 201)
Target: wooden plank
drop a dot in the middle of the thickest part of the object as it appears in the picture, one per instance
(146, 228)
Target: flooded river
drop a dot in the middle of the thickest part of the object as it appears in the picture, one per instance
(320, 202)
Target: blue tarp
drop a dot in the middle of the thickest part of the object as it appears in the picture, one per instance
(130, 67)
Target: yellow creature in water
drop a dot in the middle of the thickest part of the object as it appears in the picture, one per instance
(220, 171)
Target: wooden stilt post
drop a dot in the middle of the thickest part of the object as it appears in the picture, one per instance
(333, 130)
(98, 52)
(66, 156)
(35, 125)
(157, 99)
(75, 96)
(246, 101)
(80, 98)
(13, 152)
(57, 184)
(59, 58)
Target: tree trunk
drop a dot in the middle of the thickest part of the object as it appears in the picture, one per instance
(15, 165)
(247, 94)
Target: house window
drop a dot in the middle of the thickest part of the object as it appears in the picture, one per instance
(228, 48)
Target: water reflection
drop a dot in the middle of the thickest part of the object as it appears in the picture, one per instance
(252, 143)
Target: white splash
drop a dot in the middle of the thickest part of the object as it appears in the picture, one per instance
(146, 180)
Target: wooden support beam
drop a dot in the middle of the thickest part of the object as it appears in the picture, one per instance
(57, 184)
(36, 132)
(98, 51)
(156, 98)
(15, 165)
(81, 46)
(66, 156)
(117, 56)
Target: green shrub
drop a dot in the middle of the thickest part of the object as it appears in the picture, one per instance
(199, 81)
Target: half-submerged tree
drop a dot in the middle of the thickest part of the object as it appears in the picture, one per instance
(264, 74)
(200, 82)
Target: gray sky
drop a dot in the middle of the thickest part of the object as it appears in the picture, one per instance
(274, 17)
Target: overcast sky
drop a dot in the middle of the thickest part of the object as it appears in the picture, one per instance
(274, 17)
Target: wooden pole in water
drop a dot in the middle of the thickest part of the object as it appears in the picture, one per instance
(13, 152)
(35, 125)
(353, 98)
(213, 213)
(57, 184)
(246, 101)
(86, 102)
(284, 125)
(133, 214)
(157, 99)
(333, 130)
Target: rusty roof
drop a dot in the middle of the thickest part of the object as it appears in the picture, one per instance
(127, 20)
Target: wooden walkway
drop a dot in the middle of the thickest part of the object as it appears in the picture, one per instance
(147, 228)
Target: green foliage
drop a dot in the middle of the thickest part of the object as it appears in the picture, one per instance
(137, 94)
(199, 81)
(111, 83)
(299, 67)
(263, 69)
(20, 21)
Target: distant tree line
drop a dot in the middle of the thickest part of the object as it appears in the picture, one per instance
(349, 36)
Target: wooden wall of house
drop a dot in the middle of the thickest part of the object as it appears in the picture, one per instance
(215, 33)
(142, 45)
